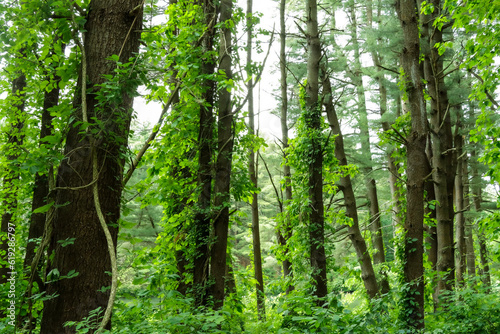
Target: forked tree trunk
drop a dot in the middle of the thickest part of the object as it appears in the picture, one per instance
(413, 271)
(78, 243)
(443, 165)
(225, 142)
(313, 124)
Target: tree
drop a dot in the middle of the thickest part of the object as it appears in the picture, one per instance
(285, 233)
(205, 153)
(370, 183)
(252, 169)
(80, 254)
(413, 299)
(443, 164)
(345, 185)
(313, 123)
(11, 175)
(225, 142)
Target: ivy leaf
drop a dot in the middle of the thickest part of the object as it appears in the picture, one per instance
(43, 209)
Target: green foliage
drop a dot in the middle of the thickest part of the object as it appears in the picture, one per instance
(467, 311)
(160, 200)
(88, 324)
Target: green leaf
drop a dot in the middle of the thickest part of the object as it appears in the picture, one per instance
(44, 209)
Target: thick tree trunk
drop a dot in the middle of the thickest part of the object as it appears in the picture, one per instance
(413, 298)
(205, 152)
(112, 28)
(345, 185)
(223, 164)
(313, 124)
(252, 169)
(443, 165)
(285, 233)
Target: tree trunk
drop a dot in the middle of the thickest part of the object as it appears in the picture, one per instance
(443, 166)
(469, 240)
(205, 151)
(41, 186)
(252, 169)
(461, 257)
(41, 189)
(345, 185)
(285, 233)
(313, 124)
(370, 183)
(476, 181)
(223, 164)
(10, 185)
(394, 174)
(78, 242)
(413, 271)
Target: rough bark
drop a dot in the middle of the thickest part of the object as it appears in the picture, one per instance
(313, 124)
(443, 166)
(413, 299)
(112, 28)
(285, 233)
(225, 142)
(205, 152)
(345, 185)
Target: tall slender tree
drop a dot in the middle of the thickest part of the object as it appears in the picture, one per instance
(252, 168)
(285, 233)
(413, 270)
(205, 153)
(11, 176)
(346, 187)
(367, 164)
(380, 77)
(313, 123)
(225, 143)
(461, 258)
